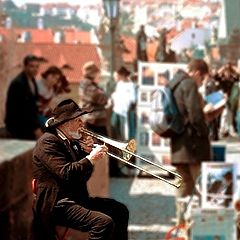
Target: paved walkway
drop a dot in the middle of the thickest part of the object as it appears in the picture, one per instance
(151, 203)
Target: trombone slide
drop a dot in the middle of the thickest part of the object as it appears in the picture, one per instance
(128, 150)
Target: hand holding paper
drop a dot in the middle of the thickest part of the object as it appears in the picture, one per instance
(215, 103)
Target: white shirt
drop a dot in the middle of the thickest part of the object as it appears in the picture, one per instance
(43, 90)
(123, 96)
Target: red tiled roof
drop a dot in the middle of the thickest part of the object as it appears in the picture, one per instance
(73, 36)
(3, 31)
(130, 44)
(37, 35)
(59, 54)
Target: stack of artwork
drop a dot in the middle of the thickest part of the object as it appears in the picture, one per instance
(216, 217)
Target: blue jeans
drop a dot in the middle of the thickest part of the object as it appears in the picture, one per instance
(132, 124)
(118, 126)
(238, 122)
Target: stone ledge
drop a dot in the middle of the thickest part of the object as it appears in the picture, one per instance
(16, 192)
(15, 185)
(10, 148)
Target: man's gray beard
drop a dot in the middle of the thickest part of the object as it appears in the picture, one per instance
(75, 134)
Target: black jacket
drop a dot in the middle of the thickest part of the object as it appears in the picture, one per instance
(61, 172)
(193, 144)
(21, 108)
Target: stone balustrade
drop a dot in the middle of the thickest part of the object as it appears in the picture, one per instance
(15, 185)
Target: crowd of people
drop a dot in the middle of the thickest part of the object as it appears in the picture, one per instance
(28, 99)
(225, 79)
(63, 157)
(113, 115)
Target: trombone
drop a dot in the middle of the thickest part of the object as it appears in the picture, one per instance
(128, 150)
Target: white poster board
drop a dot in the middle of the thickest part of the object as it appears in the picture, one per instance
(219, 185)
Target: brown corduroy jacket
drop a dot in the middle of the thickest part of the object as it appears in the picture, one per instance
(57, 169)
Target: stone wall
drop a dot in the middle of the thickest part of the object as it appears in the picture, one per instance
(8, 70)
(16, 193)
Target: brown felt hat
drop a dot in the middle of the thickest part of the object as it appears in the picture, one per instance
(65, 111)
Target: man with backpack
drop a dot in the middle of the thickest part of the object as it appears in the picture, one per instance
(192, 146)
(177, 113)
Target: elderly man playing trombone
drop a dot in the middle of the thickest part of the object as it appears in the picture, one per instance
(63, 161)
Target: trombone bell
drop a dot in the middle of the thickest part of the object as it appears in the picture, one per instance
(131, 147)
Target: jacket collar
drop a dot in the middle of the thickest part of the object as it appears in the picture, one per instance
(67, 143)
(61, 135)
(25, 80)
(178, 77)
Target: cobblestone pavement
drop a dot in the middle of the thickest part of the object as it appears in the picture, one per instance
(151, 203)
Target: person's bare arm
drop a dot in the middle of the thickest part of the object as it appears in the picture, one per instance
(212, 114)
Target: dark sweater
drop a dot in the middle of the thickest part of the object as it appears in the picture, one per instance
(21, 108)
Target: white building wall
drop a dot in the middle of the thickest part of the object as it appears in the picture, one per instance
(191, 37)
